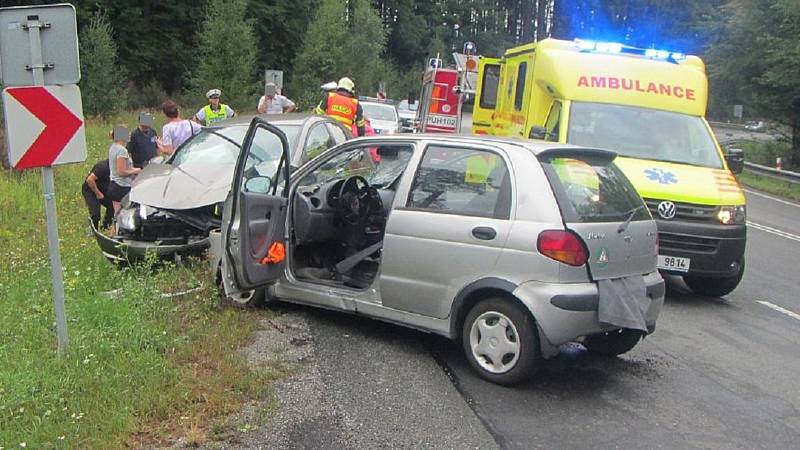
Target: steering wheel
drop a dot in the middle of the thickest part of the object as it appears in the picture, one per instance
(354, 200)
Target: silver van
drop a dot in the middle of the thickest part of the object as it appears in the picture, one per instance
(512, 247)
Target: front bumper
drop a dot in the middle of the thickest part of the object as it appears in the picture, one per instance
(120, 250)
(715, 250)
(568, 311)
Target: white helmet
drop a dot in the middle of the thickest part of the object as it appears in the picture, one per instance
(213, 93)
(329, 86)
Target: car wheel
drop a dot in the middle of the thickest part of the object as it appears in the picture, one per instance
(613, 343)
(714, 286)
(500, 341)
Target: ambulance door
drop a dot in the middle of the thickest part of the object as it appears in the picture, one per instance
(486, 95)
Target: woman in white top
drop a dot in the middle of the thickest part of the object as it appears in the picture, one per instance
(176, 131)
(120, 165)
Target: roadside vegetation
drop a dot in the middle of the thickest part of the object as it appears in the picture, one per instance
(152, 351)
(765, 153)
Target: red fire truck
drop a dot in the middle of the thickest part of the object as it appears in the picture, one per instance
(440, 101)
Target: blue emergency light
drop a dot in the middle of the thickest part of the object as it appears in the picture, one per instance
(617, 48)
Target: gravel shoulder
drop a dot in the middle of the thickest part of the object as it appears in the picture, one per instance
(353, 383)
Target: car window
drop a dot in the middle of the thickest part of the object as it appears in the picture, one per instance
(462, 181)
(520, 89)
(491, 80)
(263, 162)
(593, 190)
(318, 141)
(338, 134)
(553, 122)
(379, 112)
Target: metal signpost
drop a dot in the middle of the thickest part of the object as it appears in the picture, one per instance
(44, 118)
(274, 76)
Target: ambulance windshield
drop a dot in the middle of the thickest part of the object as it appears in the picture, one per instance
(643, 133)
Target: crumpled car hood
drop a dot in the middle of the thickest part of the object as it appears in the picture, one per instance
(189, 186)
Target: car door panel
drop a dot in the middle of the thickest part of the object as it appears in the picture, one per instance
(254, 216)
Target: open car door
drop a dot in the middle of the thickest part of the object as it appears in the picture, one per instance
(254, 215)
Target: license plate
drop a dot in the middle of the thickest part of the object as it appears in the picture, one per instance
(673, 263)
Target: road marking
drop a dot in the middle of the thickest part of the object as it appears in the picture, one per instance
(779, 200)
(774, 231)
(791, 314)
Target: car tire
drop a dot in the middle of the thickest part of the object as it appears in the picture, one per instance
(491, 325)
(613, 343)
(714, 286)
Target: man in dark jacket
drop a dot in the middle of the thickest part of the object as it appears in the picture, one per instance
(142, 146)
(95, 190)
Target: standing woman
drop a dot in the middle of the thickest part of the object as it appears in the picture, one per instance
(176, 131)
(121, 166)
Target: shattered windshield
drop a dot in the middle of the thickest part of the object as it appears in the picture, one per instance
(222, 145)
(643, 133)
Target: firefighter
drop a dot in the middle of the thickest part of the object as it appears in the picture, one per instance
(343, 106)
(214, 111)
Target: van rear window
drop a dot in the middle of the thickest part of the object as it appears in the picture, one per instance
(592, 189)
(491, 79)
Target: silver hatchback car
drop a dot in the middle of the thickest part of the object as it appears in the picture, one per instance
(512, 247)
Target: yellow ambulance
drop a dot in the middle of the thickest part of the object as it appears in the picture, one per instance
(648, 106)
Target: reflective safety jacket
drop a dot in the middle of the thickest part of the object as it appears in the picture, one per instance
(215, 116)
(343, 108)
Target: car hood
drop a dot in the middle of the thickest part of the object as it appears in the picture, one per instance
(407, 114)
(682, 182)
(383, 124)
(189, 186)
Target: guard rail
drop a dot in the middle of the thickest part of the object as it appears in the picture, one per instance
(785, 175)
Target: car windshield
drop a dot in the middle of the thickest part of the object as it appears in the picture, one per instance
(375, 111)
(643, 133)
(405, 106)
(222, 145)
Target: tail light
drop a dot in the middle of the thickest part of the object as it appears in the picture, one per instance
(563, 246)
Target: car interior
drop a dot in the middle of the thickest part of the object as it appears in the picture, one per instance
(339, 215)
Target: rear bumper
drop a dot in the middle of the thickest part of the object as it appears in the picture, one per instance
(565, 312)
(715, 250)
(120, 250)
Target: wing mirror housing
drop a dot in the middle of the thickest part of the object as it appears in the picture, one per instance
(538, 132)
(735, 159)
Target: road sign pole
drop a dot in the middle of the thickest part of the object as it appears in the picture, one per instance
(37, 68)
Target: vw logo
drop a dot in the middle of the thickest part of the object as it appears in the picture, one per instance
(667, 210)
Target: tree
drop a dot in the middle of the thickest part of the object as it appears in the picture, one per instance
(757, 60)
(226, 55)
(102, 82)
(345, 38)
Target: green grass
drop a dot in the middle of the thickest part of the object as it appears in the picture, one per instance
(765, 153)
(141, 368)
(770, 185)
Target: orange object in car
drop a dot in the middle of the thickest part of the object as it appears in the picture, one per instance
(276, 253)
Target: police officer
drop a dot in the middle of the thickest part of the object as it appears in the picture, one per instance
(215, 111)
(343, 106)
(95, 193)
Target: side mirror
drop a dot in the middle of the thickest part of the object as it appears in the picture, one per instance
(259, 185)
(735, 159)
(538, 133)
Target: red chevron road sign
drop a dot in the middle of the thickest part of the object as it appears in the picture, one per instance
(44, 125)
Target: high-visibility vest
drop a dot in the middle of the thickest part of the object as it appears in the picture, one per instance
(215, 116)
(342, 108)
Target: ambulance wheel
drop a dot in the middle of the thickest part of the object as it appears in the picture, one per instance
(714, 286)
(613, 343)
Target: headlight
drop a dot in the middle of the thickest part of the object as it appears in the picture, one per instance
(127, 219)
(732, 215)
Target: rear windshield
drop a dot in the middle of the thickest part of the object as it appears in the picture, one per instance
(593, 189)
(379, 112)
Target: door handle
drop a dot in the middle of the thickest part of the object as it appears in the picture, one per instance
(484, 233)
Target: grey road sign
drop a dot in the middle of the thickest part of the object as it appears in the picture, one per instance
(57, 39)
(737, 111)
(274, 76)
